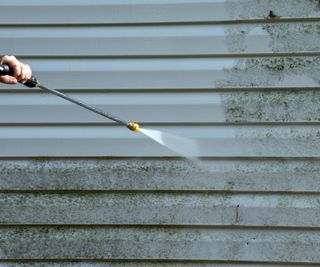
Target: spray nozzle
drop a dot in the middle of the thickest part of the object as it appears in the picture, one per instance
(133, 126)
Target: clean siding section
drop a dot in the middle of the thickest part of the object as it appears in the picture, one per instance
(243, 84)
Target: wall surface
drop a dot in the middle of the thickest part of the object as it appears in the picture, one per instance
(240, 77)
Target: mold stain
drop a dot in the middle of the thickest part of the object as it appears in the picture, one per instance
(278, 106)
(271, 9)
(288, 37)
(287, 105)
(2, 254)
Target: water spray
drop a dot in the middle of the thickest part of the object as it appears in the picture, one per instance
(34, 82)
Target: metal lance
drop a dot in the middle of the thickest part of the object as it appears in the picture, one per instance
(34, 82)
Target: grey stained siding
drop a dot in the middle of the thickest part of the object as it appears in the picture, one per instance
(77, 190)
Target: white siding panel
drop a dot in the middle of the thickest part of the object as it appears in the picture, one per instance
(142, 263)
(188, 209)
(278, 176)
(165, 107)
(177, 73)
(249, 245)
(160, 40)
(149, 11)
(211, 141)
(142, 107)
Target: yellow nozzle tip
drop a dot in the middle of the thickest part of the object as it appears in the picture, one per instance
(133, 126)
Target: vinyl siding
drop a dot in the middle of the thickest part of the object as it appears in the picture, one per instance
(78, 190)
(152, 11)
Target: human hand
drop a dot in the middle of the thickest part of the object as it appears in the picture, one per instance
(21, 72)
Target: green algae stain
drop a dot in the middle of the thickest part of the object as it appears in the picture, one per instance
(272, 106)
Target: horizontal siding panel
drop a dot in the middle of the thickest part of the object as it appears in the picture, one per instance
(146, 11)
(262, 175)
(160, 209)
(164, 107)
(145, 107)
(208, 141)
(161, 243)
(142, 263)
(160, 40)
(177, 73)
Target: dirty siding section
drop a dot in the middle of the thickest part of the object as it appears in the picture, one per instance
(239, 76)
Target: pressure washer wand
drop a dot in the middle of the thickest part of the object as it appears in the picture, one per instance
(34, 82)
